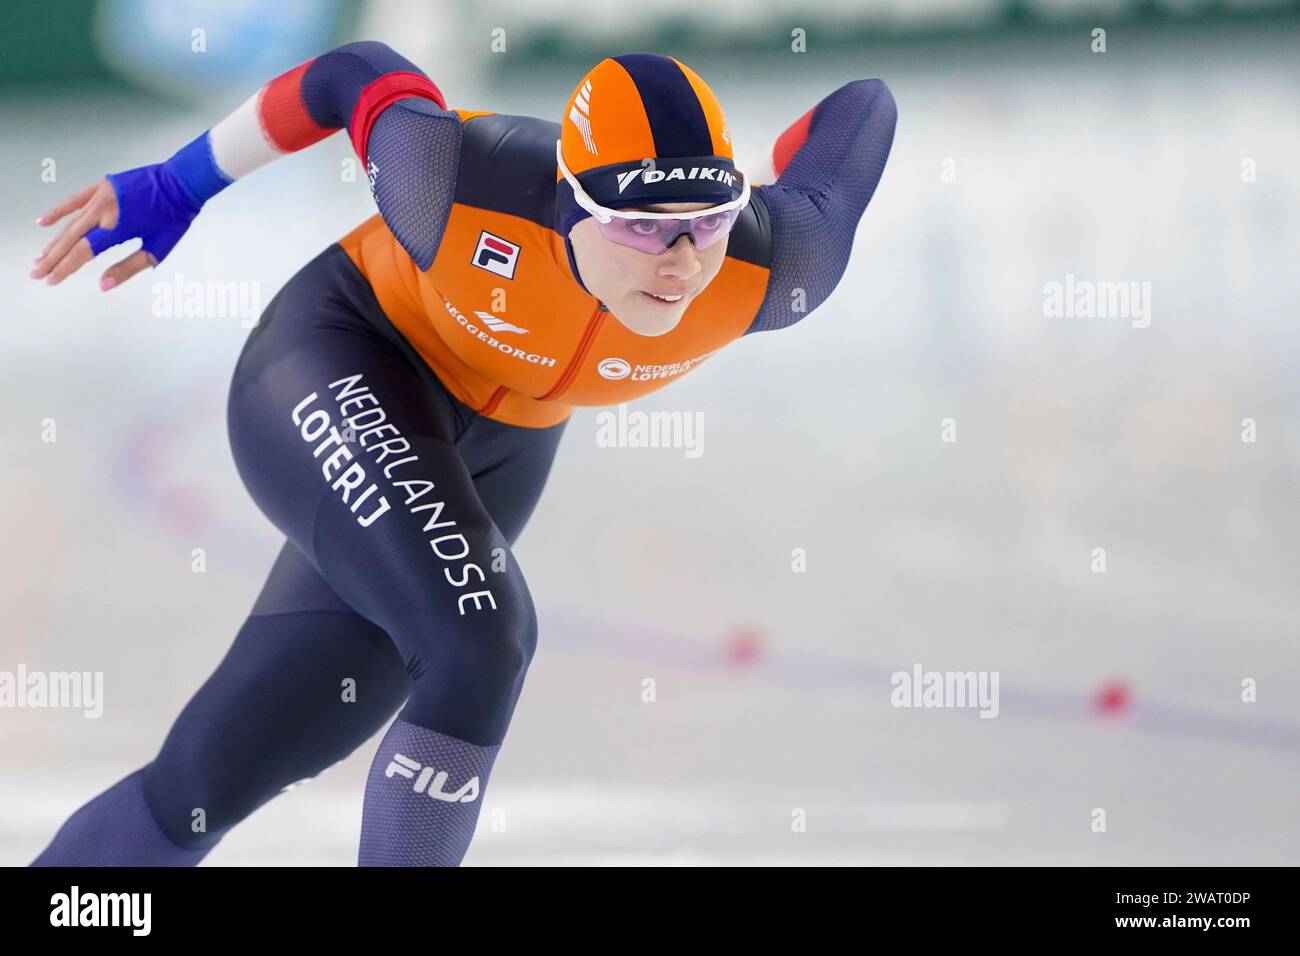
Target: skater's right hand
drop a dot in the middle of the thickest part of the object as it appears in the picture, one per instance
(147, 203)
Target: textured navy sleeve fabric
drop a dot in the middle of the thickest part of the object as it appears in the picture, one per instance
(819, 197)
(412, 161)
(413, 150)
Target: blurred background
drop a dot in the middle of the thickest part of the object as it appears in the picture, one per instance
(1022, 156)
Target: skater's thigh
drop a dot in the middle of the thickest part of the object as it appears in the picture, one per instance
(313, 361)
(346, 448)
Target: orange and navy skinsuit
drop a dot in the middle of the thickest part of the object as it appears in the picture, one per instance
(466, 255)
(399, 508)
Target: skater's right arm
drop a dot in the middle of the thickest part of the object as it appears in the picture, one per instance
(350, 87)
(820, 175)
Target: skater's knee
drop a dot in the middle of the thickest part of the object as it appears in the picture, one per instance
(481, 618)
(189, 810)
(494, 641)
(196, 809)
(466, 678)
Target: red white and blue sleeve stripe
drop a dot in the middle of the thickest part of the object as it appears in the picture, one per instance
(346, 87)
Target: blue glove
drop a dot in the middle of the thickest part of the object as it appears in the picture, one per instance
(152, 205)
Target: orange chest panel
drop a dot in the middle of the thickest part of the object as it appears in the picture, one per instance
(501, 296)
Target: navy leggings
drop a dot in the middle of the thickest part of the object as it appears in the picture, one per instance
(396, 584)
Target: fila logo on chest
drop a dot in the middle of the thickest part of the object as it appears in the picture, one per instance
(496, 255)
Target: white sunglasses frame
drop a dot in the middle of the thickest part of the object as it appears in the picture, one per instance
(605, 214)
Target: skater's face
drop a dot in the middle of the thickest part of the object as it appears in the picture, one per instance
(628, 280)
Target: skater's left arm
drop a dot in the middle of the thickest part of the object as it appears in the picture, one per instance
(826, 167)
(394, 115)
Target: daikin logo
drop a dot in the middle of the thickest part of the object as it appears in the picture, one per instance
(715, 174)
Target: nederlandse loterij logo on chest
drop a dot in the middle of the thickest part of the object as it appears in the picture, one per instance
(615, 369)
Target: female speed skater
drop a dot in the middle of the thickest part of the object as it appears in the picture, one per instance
(396, 410)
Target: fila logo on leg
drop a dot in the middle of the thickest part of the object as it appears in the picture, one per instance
(496, 255)
(430, 783)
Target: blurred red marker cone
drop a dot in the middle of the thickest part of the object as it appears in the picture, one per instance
(1114, 698)
(744, 646)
